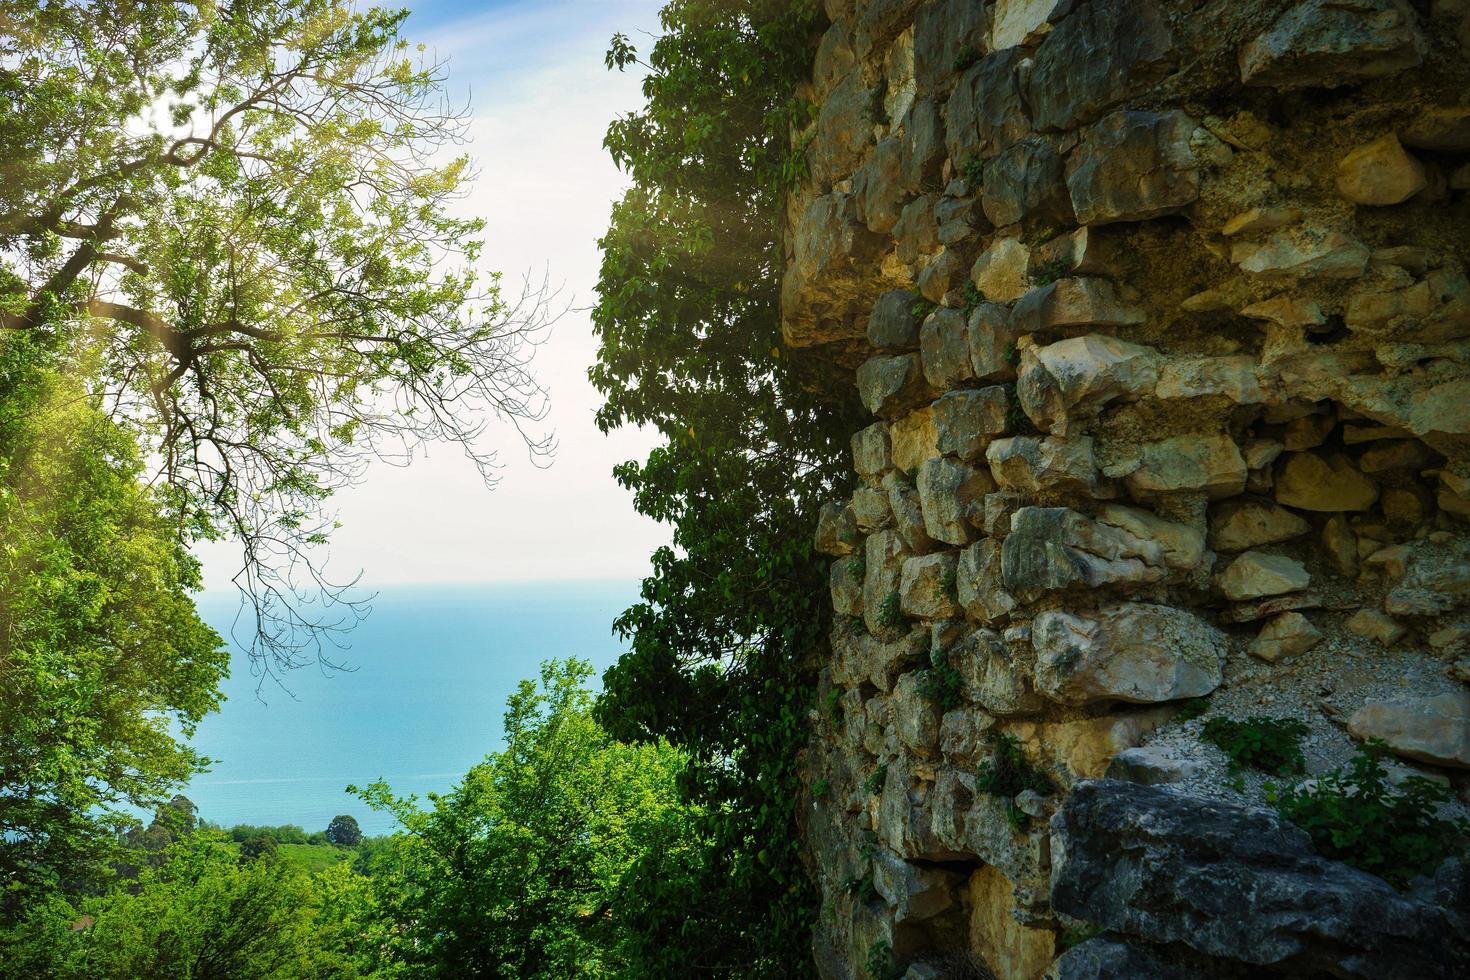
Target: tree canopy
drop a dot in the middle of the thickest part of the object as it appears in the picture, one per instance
(235, 220)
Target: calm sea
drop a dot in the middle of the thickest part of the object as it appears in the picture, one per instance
(432, 668)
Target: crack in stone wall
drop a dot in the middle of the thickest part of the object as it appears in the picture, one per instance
(1162, 315)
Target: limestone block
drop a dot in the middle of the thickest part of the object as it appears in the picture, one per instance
(985, 113)
(1078, 302)
(1235, 377)
(1012, 22)
(870, 509)
(844, 129)
(1434, 729)
(1025, 181)
(928, 586)
(949, 492)
(1256, 220)
(992, 343)
(1323, 482)
(1152, 765)
(914, 438)
(872, 453)
(944, 344)
(1328, 43)
(883, 558)
(829, 284)
(1056, 548)
(1249, 522)
(836, 530)
(1181, 546)
(1374, 625)
(1075, 378)
(908, 513)
(1102, 53)
(1255, 575)
(1063, 465)
(890, 385)
(980, 583)
(1380, 173)
(878, 187)
(892, 326)
(992, 677)
(1210, 464)
(1303, 252)
(914, 715)
(1133, 651)
(943, 32)
(1443, 129)
(1009, 947)
(1000, 273)
(846, 580)
(1284, 636)
(1131, 166)
(966, 421)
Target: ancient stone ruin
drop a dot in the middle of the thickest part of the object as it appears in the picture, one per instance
(1161, 312)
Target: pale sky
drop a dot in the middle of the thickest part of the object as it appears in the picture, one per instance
(541, 100)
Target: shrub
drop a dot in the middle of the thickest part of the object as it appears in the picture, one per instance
(875, 780)
(891, 613)
(1270, 744)
(975, 173)
(941, 683)
(1007, 773)
(1355, 816)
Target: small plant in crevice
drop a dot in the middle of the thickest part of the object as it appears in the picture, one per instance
(861, 887)
(1193, 708)
(921, 308)
(821, 788)
(857, 567)
(975, 174)
(1079, 934)
(973, 297)
(857, 626)
(874, 783)
(890, 613)
(1007, 773)
(876, 106)
(1049, 272)
(880, 963)
(941, 684)
(966, 58)
(832, 705)
(1356, 816)
(1269, 744)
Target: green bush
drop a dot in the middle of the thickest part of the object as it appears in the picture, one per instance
(1007, 773)
(1355, 816)
(875, 780)
(1270, 744)
(890, 614)
(941, 683)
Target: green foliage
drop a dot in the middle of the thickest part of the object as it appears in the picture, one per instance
(106, 665)
(1192, 708)
(921, 308)
(1048, 272)
(262, 848)
(862, 888)
(874, 783)
(833, 705)
(890, 612)
(973, 296)
(975, 174)
(880, 963)
(344, 831)
(1355, 815)
(941, 683)
(535, 864)
(1007, 773)
(1270, 744)
(965, 59)
(1079, 934)
(753, 441)
(821, 788)
(857, 567)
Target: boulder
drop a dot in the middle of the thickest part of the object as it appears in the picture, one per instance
(1434, 729)
(1242, 523)
(1131, 651)
(884, 554)
(844, 129)
(1181, 546)
(1241, 883)
(1024, 182)
(985, 113)
(1209, 464)
(914, 715)
(980, 583)
(1075, 378)
(914, 439)
(870, 509)
(1284, 636)
(943, 32)
(944, 344)
(923, 150)
(966, 421)
(1133, 165)
(1111, 957)
(1374, 625)
(928, 586)
(891, 384)
(1034, 465)
(829, 284)
(1055, 548)
(878, 187)
(1380, 173)
(1323, 482)
(1327, 43)
(1102, 53)
(872, 453)
(1152, 765)
(991, 677)
(1443, 129)
(1303, 252)
(1079, 302)
(1255, 575)
(949, 493)
(1000, 273)
(1013, 22)
(837, 532)
(992, 343)
(845, 582)
(892, 326)
(1235, 377)
(907, 511)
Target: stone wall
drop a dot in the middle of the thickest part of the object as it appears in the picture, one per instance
(1160, 308)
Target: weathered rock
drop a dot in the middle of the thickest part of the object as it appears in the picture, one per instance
(991, 676)
(939, 275)
(943, 33)
(1210, 464)
(871, 452)
(1256, 574)
(844, 129)
(1075, 378)
(1307, 432)
(883, 558)
(996, 937)
(980, 583)
(1133, 651)
(1323, 482)
(1332, 42)
(914, 439)
(1000, 273)
(1256, 220)
(966, 421)
(923, 150)
(1102, 53)
(1397, 454)
(1024, 182)
(858, 657)
(878, 187)
(836, 530)
(890, 385)
(1239, 883)
(1152, 765)
(908, 512)
(1181, 546)
(1374, 625)
(1110, 957)
(846, 584)
(1249, 522)
(944, 342)
(892, 326)
(1236, 378)
(1285, 636)
(1133, 165)
(914, 715)
(1444, 129)
(1013, 22)
(949, 493)
(928, 586)
(828, 286)
(870, 509)
(1380, 173)
(985, 113)
(992, 343)
(1054, 548)
(1303, 252)
(917, 232)
(1341, 545)
(1079, 302)
(1035, 465)
(1433, 729)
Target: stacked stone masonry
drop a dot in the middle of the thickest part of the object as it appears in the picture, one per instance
(1161, 313)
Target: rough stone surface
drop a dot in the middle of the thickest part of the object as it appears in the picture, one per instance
(892, 326)
(1241, 523)
(1256, 574)
(1285, 636)
(1101, 54)
(1024, 182)
(950, 493)
(1330, 42)
(1435, 730)
(944, 343)
(1238, 882)
(1077, 377)
(1208, 464)
(1380, 173)
(1053, 463)
(1133, 165)
(891, 385)
(1303, 251)
(966, 421)
(1134, 651)
(1080, 302)
(1314, 481)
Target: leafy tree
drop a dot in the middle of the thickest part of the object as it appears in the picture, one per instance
(518, 870)
(733, 616)
(259, 848)
(235, 220)
(104, 664)
(344, 831)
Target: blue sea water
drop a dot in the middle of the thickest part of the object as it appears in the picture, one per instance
(432, 668)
